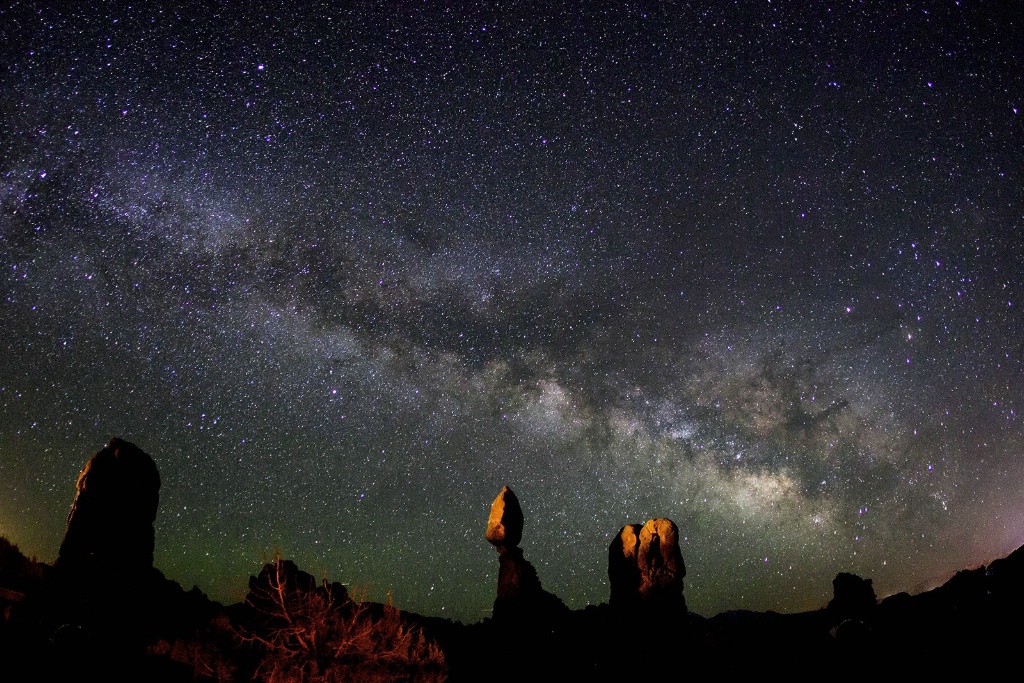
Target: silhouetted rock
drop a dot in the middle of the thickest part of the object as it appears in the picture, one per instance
(106, 613)
(623, 570)
(282, 581)
(516, 576)
(18, 574)
(505, 524)
(645, 565)
(852, 597)
(105, 602)
(1006, 578)
(19, 577)
(968, 585)
(520, 594)
(110, 526)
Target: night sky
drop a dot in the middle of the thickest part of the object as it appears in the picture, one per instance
(344, 272)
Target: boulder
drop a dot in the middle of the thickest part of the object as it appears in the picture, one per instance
(505, 524)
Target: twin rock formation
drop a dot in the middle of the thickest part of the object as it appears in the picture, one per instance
(645, 566)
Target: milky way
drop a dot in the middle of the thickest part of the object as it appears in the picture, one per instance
(345, 273)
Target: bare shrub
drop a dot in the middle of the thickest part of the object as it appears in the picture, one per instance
(206, 652)
(319, 635)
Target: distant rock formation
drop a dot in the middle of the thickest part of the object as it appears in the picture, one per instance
(1005, 578)
(852, 597)
(282, 582)
(520, 594)
(645, 565)
(110, 526)
(19, 575)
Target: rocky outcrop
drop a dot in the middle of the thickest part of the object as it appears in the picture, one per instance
(623, 569)
(520, 594)
(110, 526)
(281, 583)
(106, 600)
(660, 561)
(852, 597)
(645, 565)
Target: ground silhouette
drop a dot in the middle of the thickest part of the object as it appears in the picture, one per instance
(103, 611)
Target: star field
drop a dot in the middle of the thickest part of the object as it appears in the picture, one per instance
(345, 271)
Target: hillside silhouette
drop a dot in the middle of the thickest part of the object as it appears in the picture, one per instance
(103, 611)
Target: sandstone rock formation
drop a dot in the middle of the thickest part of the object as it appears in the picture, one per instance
(645, 565)
(660, 561)
(852, 597)
(623, 570)
(505, 524)
(105, 599)
(281, 583)
(516, 576)
(110, 526)
(520, 594)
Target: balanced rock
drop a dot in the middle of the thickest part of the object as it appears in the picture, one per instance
(645, 565)
(505, 524)
(110, 526)
(520, 598)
